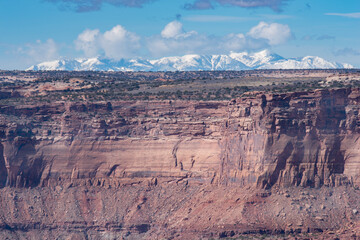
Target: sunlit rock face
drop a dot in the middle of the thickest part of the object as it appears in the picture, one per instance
(307, 139)
(298, 139)
(264, 163)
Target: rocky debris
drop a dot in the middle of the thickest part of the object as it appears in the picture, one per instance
(169, 210)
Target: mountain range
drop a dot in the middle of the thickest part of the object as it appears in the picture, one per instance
(233, 61)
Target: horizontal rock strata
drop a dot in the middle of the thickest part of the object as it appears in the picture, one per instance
(265, 163)
(296, 139)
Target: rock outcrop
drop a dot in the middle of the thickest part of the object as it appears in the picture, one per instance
(264, 141)
(299, 139)
(296, 139)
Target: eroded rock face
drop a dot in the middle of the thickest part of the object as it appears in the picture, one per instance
(304, 139)
(299, 139)
(181, 169)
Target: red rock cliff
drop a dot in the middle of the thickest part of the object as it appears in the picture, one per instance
(296, 139)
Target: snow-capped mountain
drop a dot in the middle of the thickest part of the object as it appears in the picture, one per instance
(256, 60)
(94, 64)
(309, 62)
(233, 61)
(197, 62)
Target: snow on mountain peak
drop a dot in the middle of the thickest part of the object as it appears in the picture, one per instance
(193, 62)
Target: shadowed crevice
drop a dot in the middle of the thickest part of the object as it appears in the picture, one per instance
(3, 172)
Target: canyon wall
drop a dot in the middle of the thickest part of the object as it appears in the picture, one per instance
(264, 163)
(307, 139)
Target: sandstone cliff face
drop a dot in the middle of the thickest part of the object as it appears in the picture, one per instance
(180, 169)
(110, 144)
(296, 139)
(299, 139)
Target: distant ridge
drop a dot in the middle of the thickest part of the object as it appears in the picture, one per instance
(233, 61)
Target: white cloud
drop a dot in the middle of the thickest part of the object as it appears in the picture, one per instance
(349, 15)
(174, 40)
(239, 42)
(172, 29)
(40, 51)
(181, 44)
(275, 33)
(116, 43)
(87, 41)
(175, 29)
(234, 42)
(119, 43)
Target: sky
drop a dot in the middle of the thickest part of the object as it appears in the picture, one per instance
(33, 31)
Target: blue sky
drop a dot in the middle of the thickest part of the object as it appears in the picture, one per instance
(33, 31)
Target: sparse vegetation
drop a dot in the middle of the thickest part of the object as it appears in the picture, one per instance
(36, 87)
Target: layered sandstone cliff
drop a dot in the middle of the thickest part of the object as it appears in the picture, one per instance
(132, 166)
(295, 139)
